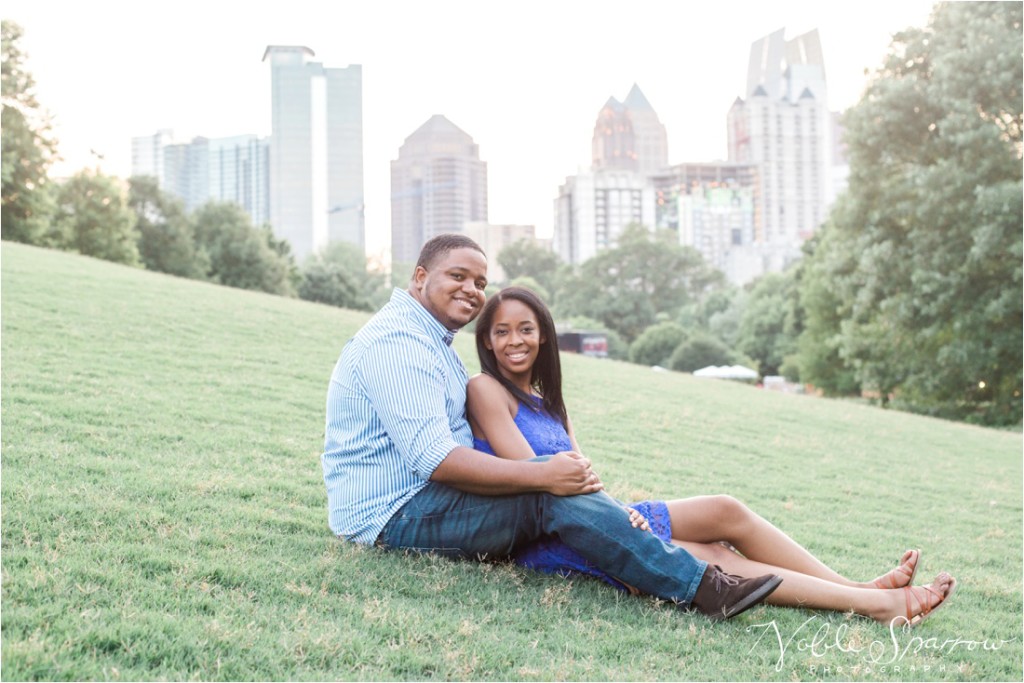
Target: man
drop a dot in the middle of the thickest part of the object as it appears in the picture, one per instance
(401, 473)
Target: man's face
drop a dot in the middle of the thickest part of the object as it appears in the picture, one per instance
(453, 288)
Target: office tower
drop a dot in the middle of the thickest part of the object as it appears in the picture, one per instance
(232, 169)
(784, 125)
(594, 207)
(438, 183)
(628, 136)
(714, 208)
(148, 153)
(316, 150)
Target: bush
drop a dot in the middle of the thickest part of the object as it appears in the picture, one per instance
(656, 344)
(698, 352)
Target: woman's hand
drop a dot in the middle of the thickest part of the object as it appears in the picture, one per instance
(637, 520)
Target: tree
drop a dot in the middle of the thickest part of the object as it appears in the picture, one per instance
(28, 149)
(339, 276)
(767, 330)
(92, 218)
(166, 237)
(531, 284)
(656, 344)
(628, 286)
(700, 351)
(239, 254)
(924, 252)
(526, 258)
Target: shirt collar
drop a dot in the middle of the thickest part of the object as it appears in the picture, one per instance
(407, 302)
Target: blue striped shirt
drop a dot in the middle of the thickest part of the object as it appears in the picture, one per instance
(396, 407)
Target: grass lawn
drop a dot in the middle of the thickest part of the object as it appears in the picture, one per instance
(164, 515)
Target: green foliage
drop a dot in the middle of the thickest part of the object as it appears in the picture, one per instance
(767, 330)
(626, 287)
(166, 237)
(92, 218)
(28, 148)
(344, 279)
(163, 510)
(923, 255)
(656, 344)
(526, 258)
(530, 283)
(700, 351)
(239, 254)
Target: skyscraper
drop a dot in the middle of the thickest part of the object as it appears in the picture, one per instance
(594, 206)
(784, 126)
(316, 150)
(629, 136)
(438, 183)
(232, 169)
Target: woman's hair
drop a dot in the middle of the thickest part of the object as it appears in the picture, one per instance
(546, 376)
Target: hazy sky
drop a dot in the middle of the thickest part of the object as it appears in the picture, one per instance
(525, 79)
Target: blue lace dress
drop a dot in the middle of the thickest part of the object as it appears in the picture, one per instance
(546, 436)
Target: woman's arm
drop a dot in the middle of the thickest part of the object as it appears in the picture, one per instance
(490, 415)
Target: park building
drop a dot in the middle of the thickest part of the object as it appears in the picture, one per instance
(316, 150)
(230, 169)
(438, 185)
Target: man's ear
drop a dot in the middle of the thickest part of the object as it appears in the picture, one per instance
(418, 276)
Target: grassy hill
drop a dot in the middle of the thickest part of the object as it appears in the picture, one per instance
(163, 512)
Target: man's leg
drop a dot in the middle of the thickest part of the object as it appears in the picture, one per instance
(446, 521)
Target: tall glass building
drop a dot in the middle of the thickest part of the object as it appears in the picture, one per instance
(316, 150)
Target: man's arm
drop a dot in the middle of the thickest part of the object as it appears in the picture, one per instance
(564, 474)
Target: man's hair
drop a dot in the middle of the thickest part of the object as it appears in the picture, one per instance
(437, 247)
(546, 375)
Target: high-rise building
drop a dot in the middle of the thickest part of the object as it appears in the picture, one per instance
(438, 183)
(629, 136)
(316, 150)
(594, 207)
(232, 169)
(714, 208)
(783, 125)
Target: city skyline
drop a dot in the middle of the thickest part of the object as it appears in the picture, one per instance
(522, 85)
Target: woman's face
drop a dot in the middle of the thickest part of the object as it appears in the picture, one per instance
(515, 339)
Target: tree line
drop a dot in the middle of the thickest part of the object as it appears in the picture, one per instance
(909, 293)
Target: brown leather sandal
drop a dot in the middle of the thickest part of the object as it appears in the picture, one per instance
(922, 602)
(902, 575)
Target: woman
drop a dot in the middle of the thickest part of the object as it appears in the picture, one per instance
(516, 411)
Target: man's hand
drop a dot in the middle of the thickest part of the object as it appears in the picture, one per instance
(569, 474)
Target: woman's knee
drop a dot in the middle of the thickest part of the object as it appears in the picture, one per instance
(731, 512)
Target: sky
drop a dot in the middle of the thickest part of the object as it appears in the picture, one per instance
(525, 79)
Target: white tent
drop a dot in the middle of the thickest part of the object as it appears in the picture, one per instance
(726, 372)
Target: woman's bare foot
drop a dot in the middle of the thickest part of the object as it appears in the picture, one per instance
(901, 576)
(913, 604)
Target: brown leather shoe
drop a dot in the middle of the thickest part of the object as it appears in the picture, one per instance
(722, 596)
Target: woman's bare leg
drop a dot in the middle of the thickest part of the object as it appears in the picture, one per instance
(801, 590)
(707, 519)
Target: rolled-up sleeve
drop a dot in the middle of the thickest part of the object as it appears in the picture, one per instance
(405, 383)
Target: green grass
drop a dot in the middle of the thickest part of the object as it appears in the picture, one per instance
(163, 512)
